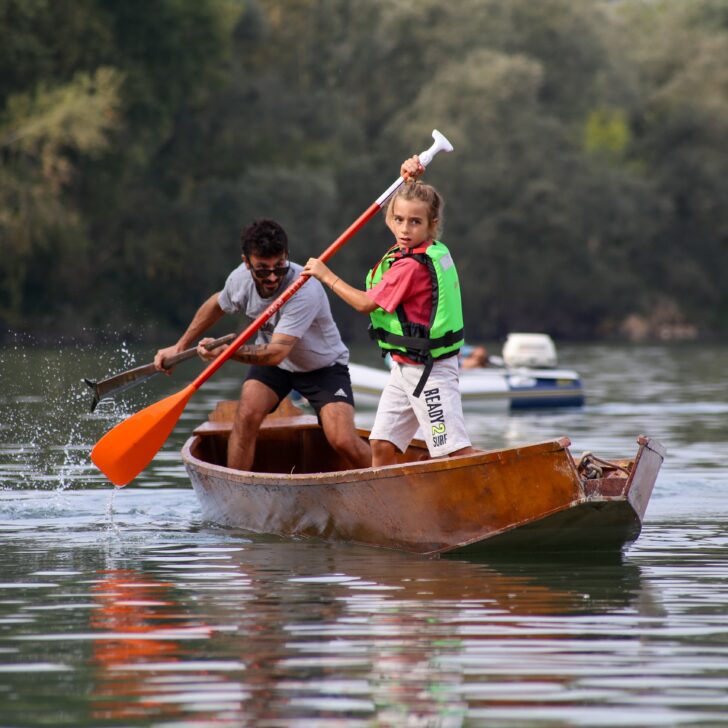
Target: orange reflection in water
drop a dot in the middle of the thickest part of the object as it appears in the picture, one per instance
(131, 606)
(137, 620)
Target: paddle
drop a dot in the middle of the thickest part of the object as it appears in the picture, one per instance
(131, 377)
(123, 452)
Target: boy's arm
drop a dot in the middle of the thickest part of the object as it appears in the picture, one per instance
(356, 298)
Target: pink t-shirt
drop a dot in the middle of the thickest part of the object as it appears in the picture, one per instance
(407, 283)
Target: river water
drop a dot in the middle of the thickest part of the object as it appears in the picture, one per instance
(122, 608)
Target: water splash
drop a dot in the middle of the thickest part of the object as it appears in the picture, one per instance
(47, 431)
(112, 529)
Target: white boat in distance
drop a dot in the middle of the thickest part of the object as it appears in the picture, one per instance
(525, 377)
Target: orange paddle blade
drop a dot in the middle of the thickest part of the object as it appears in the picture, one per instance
(124, 451)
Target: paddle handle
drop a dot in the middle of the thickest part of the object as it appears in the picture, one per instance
(440, 144)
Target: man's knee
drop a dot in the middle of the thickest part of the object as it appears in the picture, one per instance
(339, 428)
(348, 444)
(342, 438)
(248, 418)
(250, 412)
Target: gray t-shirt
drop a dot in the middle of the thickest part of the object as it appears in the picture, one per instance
(307, 316)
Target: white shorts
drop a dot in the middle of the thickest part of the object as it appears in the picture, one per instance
(438, 411)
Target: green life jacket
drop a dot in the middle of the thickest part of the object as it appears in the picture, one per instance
(444, 335)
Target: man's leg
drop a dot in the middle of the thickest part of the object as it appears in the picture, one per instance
(337, 420)
(256, 401)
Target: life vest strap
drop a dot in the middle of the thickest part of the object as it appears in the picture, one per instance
(425, 376)
(416, 343)
(419, 349)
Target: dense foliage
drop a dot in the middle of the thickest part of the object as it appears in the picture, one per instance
(587, 190)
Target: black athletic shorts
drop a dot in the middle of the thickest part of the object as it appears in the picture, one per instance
(319, 387)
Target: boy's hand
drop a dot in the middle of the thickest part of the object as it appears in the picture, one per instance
(411, 168)
(317, 269)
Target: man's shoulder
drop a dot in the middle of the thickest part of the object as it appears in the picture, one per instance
(240, 271)
(239, 276)
(237, 289)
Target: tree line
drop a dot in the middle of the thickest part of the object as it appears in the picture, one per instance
(585, 198)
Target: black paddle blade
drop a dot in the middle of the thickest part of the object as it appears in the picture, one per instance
(92, 383)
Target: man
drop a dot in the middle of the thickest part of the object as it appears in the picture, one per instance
(298, 348)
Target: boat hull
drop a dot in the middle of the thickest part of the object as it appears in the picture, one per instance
(530, 497)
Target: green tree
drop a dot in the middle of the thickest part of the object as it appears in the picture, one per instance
(41, 137)
(682, 57)
(587, 182)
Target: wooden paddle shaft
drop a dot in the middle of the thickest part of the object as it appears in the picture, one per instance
(170, 361)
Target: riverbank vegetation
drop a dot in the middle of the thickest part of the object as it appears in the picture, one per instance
(586, 196)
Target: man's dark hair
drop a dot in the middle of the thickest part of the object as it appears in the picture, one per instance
(264, 238)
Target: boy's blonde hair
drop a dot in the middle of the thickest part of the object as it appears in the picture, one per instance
(416, 190)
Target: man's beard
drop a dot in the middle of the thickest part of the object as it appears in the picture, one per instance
(263, 293)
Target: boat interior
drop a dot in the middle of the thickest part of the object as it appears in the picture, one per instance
(292, 442)
(289, 441)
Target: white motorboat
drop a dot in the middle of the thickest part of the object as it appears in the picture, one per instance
(525, 377)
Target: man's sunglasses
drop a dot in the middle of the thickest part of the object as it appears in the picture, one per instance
(265, 272)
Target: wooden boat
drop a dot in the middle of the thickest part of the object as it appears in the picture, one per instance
(534, 497)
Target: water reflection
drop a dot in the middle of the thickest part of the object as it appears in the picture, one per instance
(218, 629)
(377, 636)
(131, 612)
(144, 667)
(272, 633)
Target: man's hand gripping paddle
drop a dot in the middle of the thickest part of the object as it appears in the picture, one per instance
(123, 452)
(132, 377)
